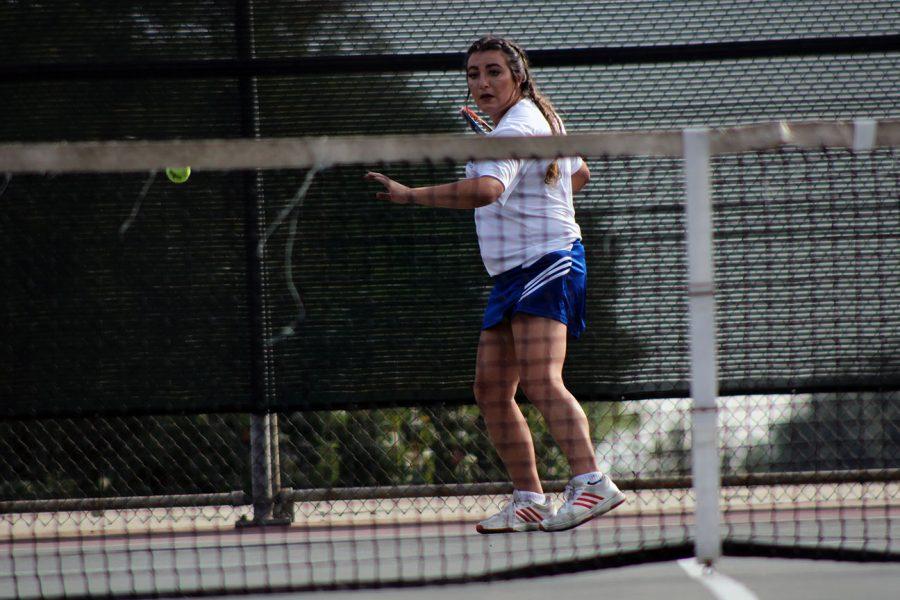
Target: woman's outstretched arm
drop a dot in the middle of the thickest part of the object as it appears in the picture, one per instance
(465, 193)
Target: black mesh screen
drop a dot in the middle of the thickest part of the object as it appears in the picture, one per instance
(112, 71)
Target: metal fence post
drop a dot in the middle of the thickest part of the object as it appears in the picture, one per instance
(261, 467)
(264, 464)
(704, 379)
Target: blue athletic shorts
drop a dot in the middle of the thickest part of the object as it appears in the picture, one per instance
(553, 287)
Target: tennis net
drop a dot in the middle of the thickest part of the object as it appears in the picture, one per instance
(261, 379)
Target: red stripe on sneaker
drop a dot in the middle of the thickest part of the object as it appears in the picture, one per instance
(590, 495)
(584, 504)
(535, 514)
(525, 515)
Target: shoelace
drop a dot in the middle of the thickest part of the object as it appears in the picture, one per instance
(509, 507)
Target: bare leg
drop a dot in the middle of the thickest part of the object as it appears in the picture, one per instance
(496, 379)
(540, 347)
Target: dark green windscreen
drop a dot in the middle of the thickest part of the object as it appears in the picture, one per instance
(172, 315)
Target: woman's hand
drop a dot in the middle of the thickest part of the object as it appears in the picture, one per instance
(394, 192)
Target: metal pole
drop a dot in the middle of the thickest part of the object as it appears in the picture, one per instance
(704, 378)
(261, 468)
(264, 478)
(284, 506)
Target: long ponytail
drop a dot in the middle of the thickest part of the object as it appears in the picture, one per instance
(546, 108)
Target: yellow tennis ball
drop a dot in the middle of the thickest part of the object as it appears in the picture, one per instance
(178, 174)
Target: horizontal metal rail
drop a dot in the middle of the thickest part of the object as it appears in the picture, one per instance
(124, 503)
(239, 498)
(443, 61)
(649, 483)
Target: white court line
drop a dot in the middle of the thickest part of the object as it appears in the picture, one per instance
(721, 586)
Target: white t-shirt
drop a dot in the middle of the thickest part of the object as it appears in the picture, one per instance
(531, 218)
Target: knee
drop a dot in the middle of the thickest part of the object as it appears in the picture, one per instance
(492, 392)
(541, 387)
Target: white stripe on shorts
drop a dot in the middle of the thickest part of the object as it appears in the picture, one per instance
(565, 261)
(545, 281)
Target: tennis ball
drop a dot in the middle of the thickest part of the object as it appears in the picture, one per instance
(178, 174)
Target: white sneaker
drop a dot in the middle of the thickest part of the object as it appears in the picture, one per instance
(583, 502)
(518, 515)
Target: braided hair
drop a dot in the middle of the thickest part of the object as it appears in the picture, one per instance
(517, 61)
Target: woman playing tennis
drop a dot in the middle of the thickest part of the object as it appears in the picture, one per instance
(531, 246)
